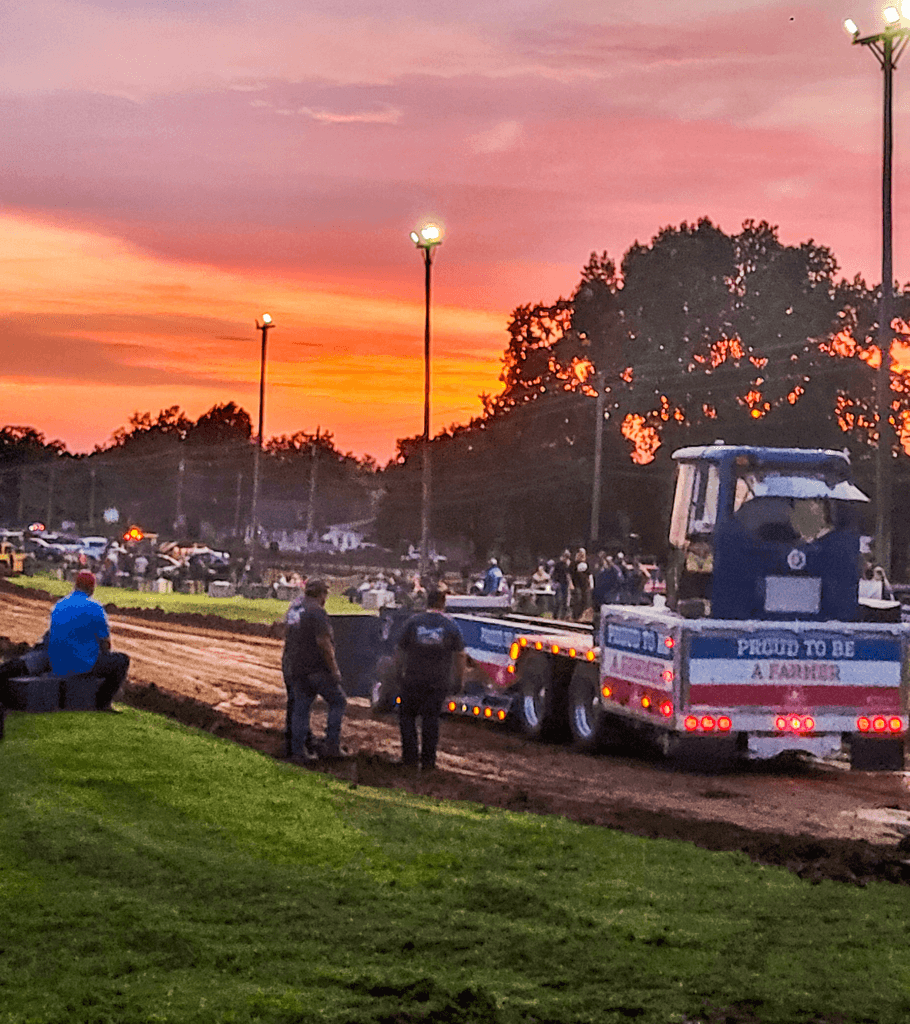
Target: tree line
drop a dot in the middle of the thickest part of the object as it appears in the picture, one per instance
(183, 478)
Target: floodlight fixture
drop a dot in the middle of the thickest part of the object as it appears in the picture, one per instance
(427, 236)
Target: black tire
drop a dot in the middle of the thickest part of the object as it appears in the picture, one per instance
(592, 729)
(535, 696)
(384, 688)
(870, 754)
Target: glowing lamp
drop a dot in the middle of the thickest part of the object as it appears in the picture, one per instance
(892, 15)
(850, 27)
(427, 236)
(266, 318)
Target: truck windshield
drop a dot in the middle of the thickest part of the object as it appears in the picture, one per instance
(788, 507)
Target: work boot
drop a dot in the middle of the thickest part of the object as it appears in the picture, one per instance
(331, 752)
(304, 757)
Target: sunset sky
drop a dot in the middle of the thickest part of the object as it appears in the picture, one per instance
(174, 169)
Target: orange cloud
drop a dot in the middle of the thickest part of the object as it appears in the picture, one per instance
(111, 330)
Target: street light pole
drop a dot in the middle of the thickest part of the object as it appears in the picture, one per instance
(264, 327)
(427, 238)
(887, 46)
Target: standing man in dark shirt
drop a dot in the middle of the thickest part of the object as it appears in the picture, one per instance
(432, 660)
(561, 577)
(310, 670)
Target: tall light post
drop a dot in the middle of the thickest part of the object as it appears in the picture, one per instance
(887, 46)
(426, 239)
(264, 327)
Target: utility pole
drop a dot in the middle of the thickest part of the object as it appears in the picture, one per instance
(237, 505)
(264, 327)
(594, 532)
(179, 518)
(311, 506)
(50, 494)
(20, 510)
(91, 499)
(886, 46)
(428, 237)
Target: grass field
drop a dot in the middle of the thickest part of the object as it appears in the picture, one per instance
(265, 610)
(149, 873)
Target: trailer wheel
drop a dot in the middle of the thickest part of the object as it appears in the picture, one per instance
(870, 754)
(535, 701)
(384, 687)
(590, 725)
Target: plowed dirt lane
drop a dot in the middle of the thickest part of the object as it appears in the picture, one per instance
(802, 815)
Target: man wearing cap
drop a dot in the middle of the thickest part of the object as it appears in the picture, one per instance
(78, 641)
(310, 671)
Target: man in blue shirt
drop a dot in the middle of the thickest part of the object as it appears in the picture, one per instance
(493, 578)
(78, 642)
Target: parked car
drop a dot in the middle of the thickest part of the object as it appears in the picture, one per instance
(167, 568)
(43, 550)
(93, 547)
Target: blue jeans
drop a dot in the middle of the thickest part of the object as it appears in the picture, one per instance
(302, 691)
(425, 702)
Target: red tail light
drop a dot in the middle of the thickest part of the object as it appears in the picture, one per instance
(707, 723)
(794, 723)
(691, 723)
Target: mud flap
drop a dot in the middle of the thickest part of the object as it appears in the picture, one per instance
(871, 754)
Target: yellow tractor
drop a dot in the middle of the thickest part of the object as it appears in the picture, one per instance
(12, 562)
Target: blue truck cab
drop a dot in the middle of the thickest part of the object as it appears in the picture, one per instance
(765, 533)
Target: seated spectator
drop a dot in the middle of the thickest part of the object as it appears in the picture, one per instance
(78, 641)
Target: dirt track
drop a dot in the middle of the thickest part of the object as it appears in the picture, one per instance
(819, 820)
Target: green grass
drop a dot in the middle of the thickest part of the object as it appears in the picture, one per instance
(149, 873)
(267, 610)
